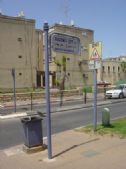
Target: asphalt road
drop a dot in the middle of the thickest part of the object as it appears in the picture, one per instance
(42, 106)
(11, 131)
(38, 106)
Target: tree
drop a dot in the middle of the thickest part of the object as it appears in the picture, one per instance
(62, 67)
(123, 66)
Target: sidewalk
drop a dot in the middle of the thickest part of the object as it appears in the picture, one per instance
(52, 99)
(71, 150)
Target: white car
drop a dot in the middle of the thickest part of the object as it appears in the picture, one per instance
(117, 92)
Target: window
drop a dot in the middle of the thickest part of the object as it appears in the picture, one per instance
(118, 69)
(19, 56)
(108, 69)
(19, 39)
(103, 68)
(84, 33)
(113, 68)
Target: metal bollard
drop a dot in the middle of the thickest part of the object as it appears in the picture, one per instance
(106, 117)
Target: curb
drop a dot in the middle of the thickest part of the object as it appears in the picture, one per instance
(14, 115)
(82, 106)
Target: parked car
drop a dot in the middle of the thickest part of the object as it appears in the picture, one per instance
(117, 92)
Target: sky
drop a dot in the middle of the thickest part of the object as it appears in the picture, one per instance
(106, 17)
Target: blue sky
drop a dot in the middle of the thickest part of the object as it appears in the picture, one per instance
(106, 17)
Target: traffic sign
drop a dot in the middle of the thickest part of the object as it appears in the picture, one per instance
(95, 51)
(95, 54)
(94, 64)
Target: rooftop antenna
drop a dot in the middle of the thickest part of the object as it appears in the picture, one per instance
(66, 9)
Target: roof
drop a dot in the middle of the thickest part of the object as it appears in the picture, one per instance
(16, 18)
(70, 27)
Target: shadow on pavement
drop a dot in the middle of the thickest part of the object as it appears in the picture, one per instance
(75, 146)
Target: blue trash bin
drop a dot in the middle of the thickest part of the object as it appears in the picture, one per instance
(32, 131)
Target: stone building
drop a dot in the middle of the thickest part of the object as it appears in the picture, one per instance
(39, 58)
(111, 70)
(22, 49)
(72, 43)
(17, 50)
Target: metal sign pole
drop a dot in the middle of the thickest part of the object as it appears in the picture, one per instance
(95, 98)
(14, 89)
(46, 28)
(95, 54)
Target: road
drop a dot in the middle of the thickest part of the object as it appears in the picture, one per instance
(42, 106)
(38, 106)
(11, 131)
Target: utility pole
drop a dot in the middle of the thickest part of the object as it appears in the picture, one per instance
(46, 29)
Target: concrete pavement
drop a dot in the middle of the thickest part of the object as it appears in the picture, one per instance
(71, 150)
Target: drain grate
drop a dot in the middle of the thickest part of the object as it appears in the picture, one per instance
(90, 153)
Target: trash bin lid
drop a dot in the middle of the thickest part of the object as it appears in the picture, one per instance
(30, 118)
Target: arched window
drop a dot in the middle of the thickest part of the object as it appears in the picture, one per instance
(108, 69)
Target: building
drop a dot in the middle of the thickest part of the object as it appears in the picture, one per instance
(39, 58)
(22, 49)
(112, 71)
(17, 51)
(72, 43)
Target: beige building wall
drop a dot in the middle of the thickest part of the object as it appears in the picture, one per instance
(77, 71)
(39, 57)
(111, 70)
(17, 50)
(39, 49)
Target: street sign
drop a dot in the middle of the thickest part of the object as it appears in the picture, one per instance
(94, 64)
(95, 54)
(95, 51)
(65, 43)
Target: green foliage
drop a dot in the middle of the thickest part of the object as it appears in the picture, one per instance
(123, 66)
(57, 83)
(57, 62)
(62, 62)
(87, 89)
(62, 65)
(120, 82)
